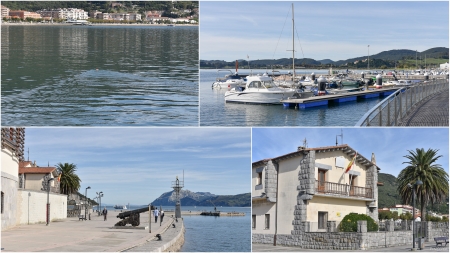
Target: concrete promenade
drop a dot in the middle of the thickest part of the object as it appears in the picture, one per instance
(429, 247)
(433, 112)
(89, 236)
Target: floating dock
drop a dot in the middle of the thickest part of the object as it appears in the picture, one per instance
(222, 213)
(315, 101)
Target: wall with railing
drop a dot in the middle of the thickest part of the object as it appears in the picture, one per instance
(330, 239)
(324, 187)
(395, 107)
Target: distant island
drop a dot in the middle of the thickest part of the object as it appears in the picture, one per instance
(189, 198)
(398, 58)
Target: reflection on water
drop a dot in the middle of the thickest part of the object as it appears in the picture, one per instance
(100, 75)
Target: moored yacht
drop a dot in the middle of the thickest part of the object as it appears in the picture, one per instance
(259, 90)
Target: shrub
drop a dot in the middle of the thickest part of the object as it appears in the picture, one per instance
(350, 223)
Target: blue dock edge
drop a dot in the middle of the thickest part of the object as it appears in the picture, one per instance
(347, 99)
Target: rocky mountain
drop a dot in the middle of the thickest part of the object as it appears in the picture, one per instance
(189, 198)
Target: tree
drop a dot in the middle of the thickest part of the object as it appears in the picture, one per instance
(70, 182)
(422, 166)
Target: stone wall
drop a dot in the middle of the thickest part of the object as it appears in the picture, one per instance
(362, 240)
(270, 183)
(176, 243)
(306, 189)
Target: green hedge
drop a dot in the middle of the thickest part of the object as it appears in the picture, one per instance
(350, 223)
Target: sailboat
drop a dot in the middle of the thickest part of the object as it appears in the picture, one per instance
(261, 89)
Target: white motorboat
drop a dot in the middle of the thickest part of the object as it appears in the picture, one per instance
(229, 81)
(259, 89)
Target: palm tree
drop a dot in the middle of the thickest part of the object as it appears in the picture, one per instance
(421, 166)
(69, 181)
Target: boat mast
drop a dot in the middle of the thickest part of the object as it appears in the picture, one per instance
(293, 50)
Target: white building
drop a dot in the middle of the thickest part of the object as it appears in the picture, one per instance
(65, 13)
(310, 185)
(444, 66)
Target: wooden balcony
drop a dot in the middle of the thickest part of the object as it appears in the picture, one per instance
(329, 188)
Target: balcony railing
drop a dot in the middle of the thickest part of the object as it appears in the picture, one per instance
(324, 187)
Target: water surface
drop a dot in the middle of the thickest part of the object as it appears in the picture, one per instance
(99, 75)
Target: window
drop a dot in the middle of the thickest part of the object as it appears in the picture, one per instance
(323, 219)
(267, 221)
(259, 178)
(253, 221)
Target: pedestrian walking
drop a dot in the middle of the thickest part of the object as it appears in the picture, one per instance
(156, 213)
(105, 214)
(162, 215)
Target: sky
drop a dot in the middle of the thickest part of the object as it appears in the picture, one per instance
(137, 165)
(390, 145)
(324, 30)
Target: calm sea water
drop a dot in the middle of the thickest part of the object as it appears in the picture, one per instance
(99, 76)
(218, 234)
(212, 234)
(215, 112)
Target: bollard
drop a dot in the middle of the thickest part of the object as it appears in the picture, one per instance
(379, 84)
(322, 83)
(313, 76)
(362, 75)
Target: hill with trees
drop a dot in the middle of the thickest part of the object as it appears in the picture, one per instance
(400, 58)
(388, 194)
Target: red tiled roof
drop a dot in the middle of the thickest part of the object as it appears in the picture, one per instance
(36, 170)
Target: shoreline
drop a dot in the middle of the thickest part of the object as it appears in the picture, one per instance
(92, 24)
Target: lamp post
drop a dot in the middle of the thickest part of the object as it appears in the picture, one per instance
(413, 187)
(85, 204)
(48, 199)
(100, 196)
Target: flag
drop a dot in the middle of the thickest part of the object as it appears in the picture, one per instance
(59, 177)
(350, 164)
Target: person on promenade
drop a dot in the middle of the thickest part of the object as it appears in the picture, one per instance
(156, 213)
(105, 213)
(162, 215)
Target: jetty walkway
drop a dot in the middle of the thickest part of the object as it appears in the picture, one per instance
(93, 235)
(434, 111)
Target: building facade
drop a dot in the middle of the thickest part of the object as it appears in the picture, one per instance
(24, 14)
(65, 13)
(5, 11)
(310, 185)
(12, 143)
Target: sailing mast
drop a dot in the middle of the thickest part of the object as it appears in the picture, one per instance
(293, 50)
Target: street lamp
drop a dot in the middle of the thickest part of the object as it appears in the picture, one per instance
(100, 195)
(85, 204)
(48, 199)
(413, 187)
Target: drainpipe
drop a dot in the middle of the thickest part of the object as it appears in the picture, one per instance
(276, 209)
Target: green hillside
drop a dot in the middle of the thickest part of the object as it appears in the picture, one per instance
(388, 196)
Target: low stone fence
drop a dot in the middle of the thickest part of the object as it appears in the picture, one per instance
(361, 240)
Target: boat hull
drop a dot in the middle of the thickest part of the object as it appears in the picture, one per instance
(250, 97)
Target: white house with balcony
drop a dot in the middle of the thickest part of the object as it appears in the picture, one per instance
(311, 185)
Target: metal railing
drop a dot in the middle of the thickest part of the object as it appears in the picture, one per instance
(392, 109)
(343, 189)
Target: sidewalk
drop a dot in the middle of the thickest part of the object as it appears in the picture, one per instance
(429, 247)
(73, 235)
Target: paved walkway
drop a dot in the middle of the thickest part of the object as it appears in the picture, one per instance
(432, 112)
(89, 236)
(429, 247)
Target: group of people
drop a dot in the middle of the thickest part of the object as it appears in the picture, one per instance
(156, 213)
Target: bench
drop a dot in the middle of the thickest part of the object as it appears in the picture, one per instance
(81, 217)
(441, 240)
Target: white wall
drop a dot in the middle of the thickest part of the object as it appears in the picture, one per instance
(337, 208)
(259, 209)
(287, 193)
(33, 204)
(9, 184)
